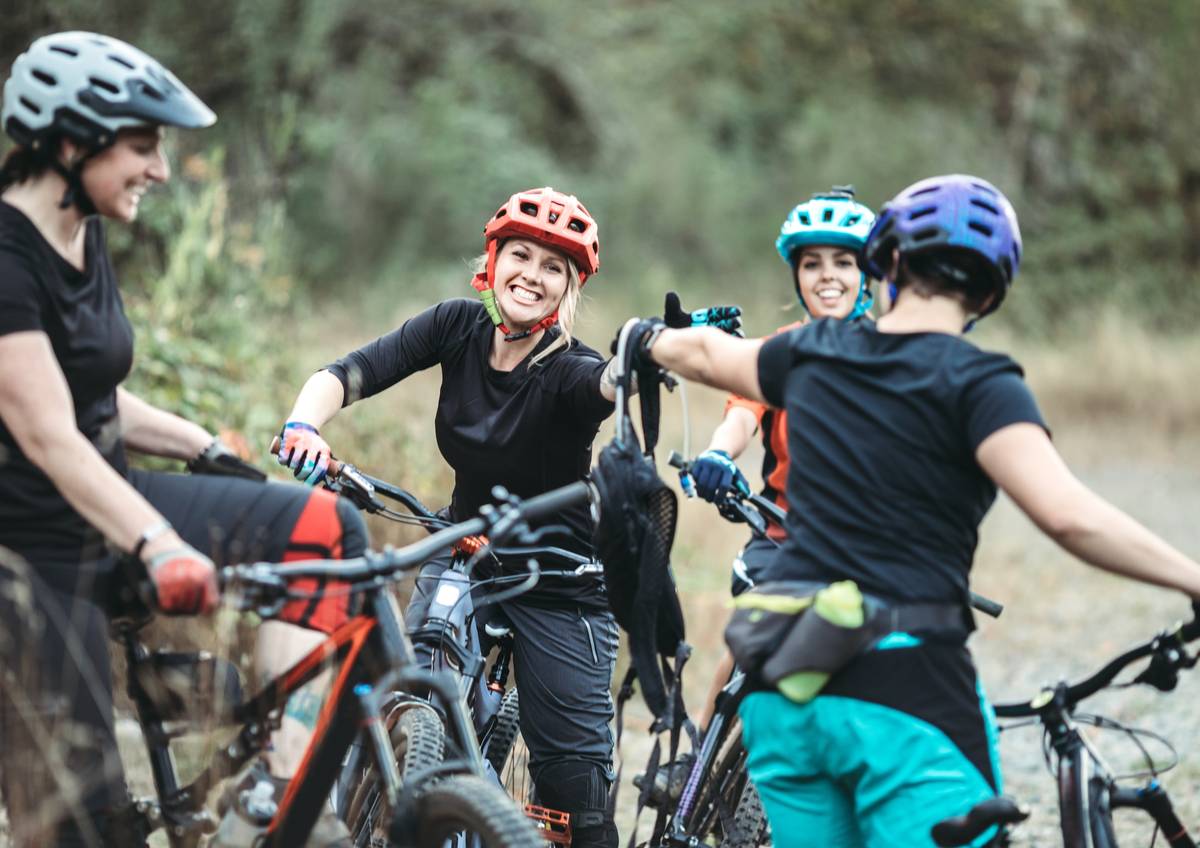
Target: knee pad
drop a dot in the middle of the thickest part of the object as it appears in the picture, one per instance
(581, 789)
(354, 529)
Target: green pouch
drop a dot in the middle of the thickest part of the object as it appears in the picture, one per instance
(794, 635)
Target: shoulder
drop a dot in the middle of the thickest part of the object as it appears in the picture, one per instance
(973, 364)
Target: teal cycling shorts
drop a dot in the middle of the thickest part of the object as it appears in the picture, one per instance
(898, 741)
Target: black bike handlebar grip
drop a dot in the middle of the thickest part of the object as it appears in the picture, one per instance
(556, 501)
(986, 605)
(1191, 630)
(676, 460)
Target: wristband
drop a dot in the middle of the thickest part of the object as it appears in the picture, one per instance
(301, 425)
(146, 536)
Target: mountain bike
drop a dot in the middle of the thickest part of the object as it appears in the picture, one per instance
(374, 660)
(452, 639)
(1088, 789)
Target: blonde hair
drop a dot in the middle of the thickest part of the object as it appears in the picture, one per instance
(568, 307)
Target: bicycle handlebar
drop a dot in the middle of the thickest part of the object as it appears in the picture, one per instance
(497, 521)
(1168, 655)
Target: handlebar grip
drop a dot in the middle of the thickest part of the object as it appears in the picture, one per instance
(556, 500)
(335, 466)
(676, 460)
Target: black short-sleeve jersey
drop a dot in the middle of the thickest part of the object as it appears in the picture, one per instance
(890, 494)
(530, 429)
(82, 314)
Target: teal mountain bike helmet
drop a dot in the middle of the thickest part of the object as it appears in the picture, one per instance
(833, 218)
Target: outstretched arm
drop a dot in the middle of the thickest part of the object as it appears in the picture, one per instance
(711, 357)
(1022, 461)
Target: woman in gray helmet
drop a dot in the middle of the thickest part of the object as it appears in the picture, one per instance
(87, 114)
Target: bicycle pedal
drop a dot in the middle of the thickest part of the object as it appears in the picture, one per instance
(553, 825)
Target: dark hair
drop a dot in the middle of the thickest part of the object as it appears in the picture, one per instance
(960, 274)
(23, 163)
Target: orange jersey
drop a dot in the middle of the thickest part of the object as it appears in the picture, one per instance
(772, 423)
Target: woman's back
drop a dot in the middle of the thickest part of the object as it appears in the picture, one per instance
(889, 494)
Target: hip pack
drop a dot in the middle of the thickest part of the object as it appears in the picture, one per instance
(794, 635)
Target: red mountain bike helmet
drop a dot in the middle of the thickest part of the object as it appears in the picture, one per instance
(547, 216)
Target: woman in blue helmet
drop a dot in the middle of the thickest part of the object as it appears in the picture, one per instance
(907, 421)
(819, 241)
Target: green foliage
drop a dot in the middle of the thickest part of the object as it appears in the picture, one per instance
(204, 295)
(384, 134)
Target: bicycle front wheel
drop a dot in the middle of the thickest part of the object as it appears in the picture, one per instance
(467, 810)
(418, 742)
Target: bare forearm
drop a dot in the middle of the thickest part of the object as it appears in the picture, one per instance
(735, 431)
(1110, 539)
(148, 429)
(711, 357)
(319, 400)
(95, 490)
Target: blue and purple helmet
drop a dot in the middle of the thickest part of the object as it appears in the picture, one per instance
(956, 211)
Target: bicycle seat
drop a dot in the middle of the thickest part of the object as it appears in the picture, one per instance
(962, 830)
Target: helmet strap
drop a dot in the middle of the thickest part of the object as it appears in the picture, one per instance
(75, 195)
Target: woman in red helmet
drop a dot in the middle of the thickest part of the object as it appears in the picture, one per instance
(520, 405)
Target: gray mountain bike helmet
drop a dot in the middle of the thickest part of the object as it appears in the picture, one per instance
(87, 87)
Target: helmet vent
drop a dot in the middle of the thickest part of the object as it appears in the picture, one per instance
(151, 91)
(576, 225)
(553, 217)
(804, 219)
(44, 78)
(827, 216)
(926, 234)
(926, 190)
(66, 51)
(983, 204)
(120, 60)
(851, 220)
(104, 84)
(980, 227)
(501, 213)
(529, 208)
(30, 105)
(922, 212)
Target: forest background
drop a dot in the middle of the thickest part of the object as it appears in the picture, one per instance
(362, 145)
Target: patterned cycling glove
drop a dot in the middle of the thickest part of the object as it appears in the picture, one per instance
(726, 318)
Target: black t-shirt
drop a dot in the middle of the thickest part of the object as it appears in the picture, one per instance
(84, 318)
(530, 429)
(889, 493)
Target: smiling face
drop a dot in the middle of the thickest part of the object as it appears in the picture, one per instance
(828, 280)
(530, 280)
(116, 178)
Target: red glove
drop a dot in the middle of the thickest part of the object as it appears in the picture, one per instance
(185, 580)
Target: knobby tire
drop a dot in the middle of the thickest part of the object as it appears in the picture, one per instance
(418, 742)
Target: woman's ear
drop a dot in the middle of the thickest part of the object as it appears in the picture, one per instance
(69, 153)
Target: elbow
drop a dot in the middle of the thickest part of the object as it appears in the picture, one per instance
(1070, 526)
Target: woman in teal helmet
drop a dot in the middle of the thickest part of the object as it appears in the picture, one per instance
(819, 241)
